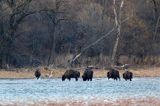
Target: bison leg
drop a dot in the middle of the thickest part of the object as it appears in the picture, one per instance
(63, 79)
(76, 79)
(119, 78)
(130, 79)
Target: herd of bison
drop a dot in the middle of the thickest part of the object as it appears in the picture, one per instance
(88, 74)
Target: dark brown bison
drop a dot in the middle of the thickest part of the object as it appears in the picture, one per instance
(71, 74)
(87, 75)
(114, 74)
(37, 73)
(128, 75)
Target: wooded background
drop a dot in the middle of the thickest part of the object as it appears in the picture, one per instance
(52, 32)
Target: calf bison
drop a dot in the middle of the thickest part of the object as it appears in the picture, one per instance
(71, 74)
(114, 74)
(128, 75)
(87, 75)
(37, 73)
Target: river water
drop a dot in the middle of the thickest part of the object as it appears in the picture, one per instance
(27, 90)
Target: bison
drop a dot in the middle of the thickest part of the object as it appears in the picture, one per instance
(37, 73)
(114, 74)
(87, 75)
(128, 75)
(71, 74)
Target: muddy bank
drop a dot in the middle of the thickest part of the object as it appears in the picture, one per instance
(148, 101)
(151, 101)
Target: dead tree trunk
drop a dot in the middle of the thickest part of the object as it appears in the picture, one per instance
(156, 17)
(118, 26)
(55, 19)
(156, 28)
(52, 50)
(155, 9)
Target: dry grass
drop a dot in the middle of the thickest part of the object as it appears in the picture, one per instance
(56, 73)
(17, 74)
(147, 72)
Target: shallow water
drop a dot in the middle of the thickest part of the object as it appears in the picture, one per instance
(23, 90)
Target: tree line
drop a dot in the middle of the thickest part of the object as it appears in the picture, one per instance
(54, 32)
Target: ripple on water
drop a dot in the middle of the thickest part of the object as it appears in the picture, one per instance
(54, 89)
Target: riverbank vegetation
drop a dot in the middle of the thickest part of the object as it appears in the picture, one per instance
(53, 32)
(57, 73)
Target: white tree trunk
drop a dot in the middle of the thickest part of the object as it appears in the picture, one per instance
(118, 26)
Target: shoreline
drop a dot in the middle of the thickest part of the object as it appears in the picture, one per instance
(57, 73)
(97, 78)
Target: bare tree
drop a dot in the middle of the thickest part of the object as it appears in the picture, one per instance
(12, 15)
(55, 18)
(155, 9)
(156, 16)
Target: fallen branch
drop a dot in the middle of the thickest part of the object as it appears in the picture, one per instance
(78, 55)
(101, 38)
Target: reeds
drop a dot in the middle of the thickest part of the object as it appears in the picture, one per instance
(57, 73)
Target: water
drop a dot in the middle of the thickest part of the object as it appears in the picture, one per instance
(23, 90)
